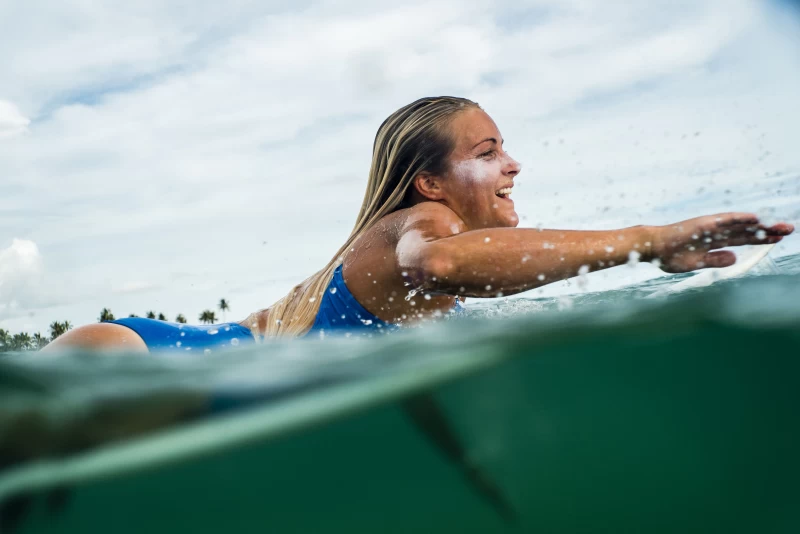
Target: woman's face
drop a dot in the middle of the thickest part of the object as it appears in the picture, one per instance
(478, 182)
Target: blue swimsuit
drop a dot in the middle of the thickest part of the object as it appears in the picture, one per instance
(339, 311)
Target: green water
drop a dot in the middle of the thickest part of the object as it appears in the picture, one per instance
(618, 415)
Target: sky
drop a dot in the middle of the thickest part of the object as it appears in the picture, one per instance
(162, 156)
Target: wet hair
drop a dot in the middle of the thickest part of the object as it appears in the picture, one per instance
(411, 140)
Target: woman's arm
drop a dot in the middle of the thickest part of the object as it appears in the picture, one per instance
(483, 263)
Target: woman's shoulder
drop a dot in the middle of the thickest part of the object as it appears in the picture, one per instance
(432, 218)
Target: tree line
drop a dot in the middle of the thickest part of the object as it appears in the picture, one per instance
(23, 341)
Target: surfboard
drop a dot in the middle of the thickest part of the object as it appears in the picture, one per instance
(745, 262)
(535, 428)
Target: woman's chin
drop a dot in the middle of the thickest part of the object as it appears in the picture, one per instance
(511, 220)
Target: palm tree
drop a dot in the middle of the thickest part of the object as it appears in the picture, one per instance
(180, 318)
(162, 317)
(56, 329)
(21, 341)
(223, 307)
(106, 315)
(133, 315)
(39, 341)
(151, 315)
(208, 317)
(5, 341)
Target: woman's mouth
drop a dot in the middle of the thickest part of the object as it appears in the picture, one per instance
(504, 193)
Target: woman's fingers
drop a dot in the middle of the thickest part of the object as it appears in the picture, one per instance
(746, 234)
(780, 229)
(720, 258)
(745, 240)
(729, 219)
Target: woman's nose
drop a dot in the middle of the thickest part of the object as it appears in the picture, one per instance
(512, 166)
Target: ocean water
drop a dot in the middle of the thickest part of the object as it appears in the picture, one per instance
(598, 412)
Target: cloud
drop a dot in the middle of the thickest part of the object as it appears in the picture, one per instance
(12, 122)
(135, 286)
(21, 277)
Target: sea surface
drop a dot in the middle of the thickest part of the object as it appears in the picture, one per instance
(595, 412)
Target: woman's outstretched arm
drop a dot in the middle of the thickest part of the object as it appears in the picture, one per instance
(483, 263)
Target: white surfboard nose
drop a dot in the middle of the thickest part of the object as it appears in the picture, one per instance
(746, 260)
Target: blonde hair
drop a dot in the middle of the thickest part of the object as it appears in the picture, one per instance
(411, 140)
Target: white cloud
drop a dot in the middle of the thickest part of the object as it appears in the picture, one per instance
(12, 122)
(21, 276)
(135, 286)
(169, 138)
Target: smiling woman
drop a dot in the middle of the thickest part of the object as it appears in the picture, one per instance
(437, 224)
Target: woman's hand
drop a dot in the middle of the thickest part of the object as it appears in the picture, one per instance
(693, 244)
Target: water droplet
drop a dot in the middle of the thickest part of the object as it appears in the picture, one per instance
(177, 343)
(391, 299)
(427, 297)
(656, 262)
(333, 291)
(213, 331)
(633, 258)
(540, 277)
(411, 293)
(609, 249)
(312, 299)
(761, 234)
(183, 334)
(404, 273)
(525, 258)
(488, 288)
(235, 342)
(343, 316)
(487, 239)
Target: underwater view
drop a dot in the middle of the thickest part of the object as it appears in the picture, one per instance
(613, 413)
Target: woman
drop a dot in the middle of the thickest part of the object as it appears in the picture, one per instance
(437, 223)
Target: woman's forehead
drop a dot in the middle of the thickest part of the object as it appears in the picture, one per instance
(472, 127)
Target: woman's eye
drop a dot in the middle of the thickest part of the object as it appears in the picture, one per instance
(487, 154)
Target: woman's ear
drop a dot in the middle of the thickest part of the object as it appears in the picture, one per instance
(428, 186)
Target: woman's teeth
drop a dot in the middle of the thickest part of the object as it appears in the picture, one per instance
(503, 193)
